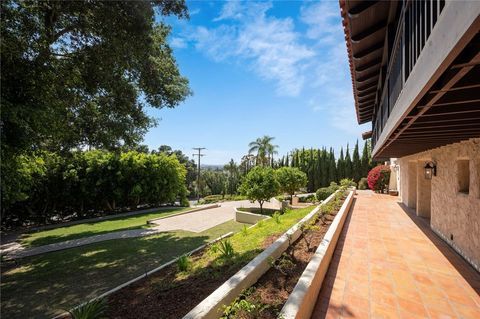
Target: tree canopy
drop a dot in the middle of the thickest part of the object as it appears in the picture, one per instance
(264, 148)
(79, 74)
(260, 185)
(291, 179)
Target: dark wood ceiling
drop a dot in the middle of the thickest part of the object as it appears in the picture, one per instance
(448, 113)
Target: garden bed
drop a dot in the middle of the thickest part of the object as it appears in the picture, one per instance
(266, 298)
(170, 293)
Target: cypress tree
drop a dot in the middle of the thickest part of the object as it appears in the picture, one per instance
(365, 160)
(348, 164)
(357, 165)
(332, 170)
(341, 166)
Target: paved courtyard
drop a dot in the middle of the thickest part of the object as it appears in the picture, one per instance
(389, 264)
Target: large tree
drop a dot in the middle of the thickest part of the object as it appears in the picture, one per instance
(264, 148)
(291, 179)
(260, 185)
(79, 74)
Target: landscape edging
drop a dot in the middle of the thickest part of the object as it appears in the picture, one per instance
(302, 300)
(125, 284)
(248, 217)
(210, 307)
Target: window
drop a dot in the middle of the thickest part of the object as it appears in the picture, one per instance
(463, 176)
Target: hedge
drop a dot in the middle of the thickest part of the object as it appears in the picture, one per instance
(44, 185)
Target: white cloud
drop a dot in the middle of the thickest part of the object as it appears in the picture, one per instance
(231, 10)
(194, 12)
(178, 43)
(270, 45)
(322, 20)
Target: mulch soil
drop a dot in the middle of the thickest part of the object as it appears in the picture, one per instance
(272, 290)
(162, 295)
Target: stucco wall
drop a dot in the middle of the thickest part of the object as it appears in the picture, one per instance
(452, 213)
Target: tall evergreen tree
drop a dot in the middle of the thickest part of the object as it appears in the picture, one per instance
(341, 166)
(332, 170)
(348, 164)
(357, 165)
(365, 161)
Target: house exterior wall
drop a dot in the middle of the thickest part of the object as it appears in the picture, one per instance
(453, 214)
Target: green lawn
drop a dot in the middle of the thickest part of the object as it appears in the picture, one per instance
(45, 284)
(56, 235)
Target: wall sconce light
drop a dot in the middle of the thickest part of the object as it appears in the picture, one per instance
(430, 170)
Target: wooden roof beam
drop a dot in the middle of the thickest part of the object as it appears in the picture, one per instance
(361, 8)
(374, 48)
(369, 31)
(369, 65)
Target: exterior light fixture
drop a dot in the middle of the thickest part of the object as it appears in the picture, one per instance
(430, 170)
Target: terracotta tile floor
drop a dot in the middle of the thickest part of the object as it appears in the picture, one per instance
(389, 264)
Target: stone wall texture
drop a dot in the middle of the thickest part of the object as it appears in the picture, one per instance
(453, 214)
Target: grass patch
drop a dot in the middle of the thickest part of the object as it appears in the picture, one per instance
(44, 284)
(56, 235)
(256, 210)
(246, 245)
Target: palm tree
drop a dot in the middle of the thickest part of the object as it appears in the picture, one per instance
(264, 148)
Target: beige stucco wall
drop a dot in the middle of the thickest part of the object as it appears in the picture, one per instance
(452, 213)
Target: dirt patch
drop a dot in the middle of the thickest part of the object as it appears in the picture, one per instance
(163, 295)
(270, 240)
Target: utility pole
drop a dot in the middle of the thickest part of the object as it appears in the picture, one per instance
(199, 154)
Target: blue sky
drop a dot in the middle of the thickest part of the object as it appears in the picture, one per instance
(259, 68)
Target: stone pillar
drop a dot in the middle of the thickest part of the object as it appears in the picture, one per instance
(411, 191)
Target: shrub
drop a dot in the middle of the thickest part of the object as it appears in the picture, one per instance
(347, 182)
(211, 199)
(244, 230)
(363, 183)
(183, 263)
(323, 193)
(307, 199)
(94, 309)
(226, 249)
(276, 217)
(378, 178)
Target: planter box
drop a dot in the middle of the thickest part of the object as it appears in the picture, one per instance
(248, 218)
(211, 307)
(304, 296)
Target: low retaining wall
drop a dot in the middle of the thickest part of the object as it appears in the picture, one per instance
(302, 300)
(247, 217)
(193, 210)
(111, 291)
(211, 307)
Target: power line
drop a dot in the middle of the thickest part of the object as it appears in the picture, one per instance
(199, 154)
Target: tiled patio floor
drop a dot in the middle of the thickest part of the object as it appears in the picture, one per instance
(389, 264)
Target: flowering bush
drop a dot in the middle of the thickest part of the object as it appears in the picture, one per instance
(378, 178)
